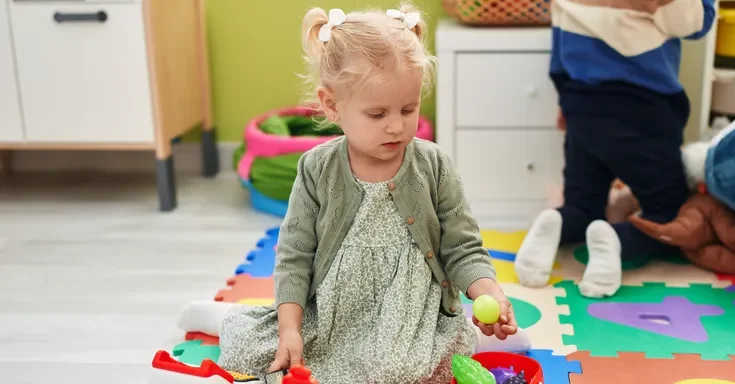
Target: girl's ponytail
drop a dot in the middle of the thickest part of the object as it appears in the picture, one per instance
(313, 22)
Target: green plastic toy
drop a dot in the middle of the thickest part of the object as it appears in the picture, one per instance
(526, 313)
(486, 309)
(469, 371)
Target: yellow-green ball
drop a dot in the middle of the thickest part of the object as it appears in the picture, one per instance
(486, 309)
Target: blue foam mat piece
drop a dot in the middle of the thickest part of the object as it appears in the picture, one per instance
(263, 203)
(501, 255)
(556, 368)
(261, 261)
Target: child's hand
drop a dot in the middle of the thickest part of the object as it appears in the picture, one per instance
(289, 353)
(506, 324)
(561, 122)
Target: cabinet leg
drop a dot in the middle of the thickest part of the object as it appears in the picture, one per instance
(165, 178)
(6, 160)
(210, 153)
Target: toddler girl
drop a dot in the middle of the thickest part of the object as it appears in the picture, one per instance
(378, 240)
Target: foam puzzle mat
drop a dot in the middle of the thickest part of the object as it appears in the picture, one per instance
(670, 322)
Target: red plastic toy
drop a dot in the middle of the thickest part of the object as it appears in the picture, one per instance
(169, 370)
(299, 375)
(531, 368)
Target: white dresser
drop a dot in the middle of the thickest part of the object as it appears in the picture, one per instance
(11, 128)
(496, 118)
(126, 75)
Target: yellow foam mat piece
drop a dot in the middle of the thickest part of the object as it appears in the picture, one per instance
(509, 242)
(506, 273)
(256, 302)
(240, 376)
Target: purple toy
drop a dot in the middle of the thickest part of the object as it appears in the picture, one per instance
(502, 374)
(516, 379)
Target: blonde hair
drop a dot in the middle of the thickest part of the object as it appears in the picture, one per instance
(366, 45)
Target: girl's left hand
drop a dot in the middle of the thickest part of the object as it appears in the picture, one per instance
(506, 324)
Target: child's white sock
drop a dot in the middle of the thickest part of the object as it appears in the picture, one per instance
(535, 259)
(204, 316)
(603, 274)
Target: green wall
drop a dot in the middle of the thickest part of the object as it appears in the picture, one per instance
(255, 54)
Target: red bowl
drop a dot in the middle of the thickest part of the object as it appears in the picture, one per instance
(530, 367)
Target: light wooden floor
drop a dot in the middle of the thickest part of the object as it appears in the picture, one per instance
(92, 276)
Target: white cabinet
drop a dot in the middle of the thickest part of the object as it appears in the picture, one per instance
(496, 118)
(106, 75)
(11, 128)
(496, 115)
(83, 72)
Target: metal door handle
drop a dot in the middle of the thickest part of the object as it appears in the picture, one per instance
(62, 17)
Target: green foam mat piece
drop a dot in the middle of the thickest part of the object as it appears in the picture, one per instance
(193, 352)
(582, 255)
(526, 313)
(606, 338)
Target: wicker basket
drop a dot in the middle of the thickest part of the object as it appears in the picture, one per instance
(499, 12)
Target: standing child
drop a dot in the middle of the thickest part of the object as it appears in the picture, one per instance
(378, 240)
(615, 65)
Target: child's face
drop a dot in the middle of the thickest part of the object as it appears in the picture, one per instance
(380, 119)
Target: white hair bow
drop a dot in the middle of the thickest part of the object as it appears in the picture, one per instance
(336, 17)
(411, 19)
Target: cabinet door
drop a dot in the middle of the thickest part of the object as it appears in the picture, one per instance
(11, 129)
(505, 90)
(510, 165)
(83, 72)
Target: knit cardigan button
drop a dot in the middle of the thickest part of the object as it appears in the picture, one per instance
(430, 255)
(391, 186)
(452, 309)
(410, 220)
(445, 283)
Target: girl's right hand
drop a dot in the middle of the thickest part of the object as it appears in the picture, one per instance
(290, 351)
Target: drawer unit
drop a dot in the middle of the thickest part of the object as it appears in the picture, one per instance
(496, 118)
(11, 128)
(106, 75)
(504, 90)
(83, 72)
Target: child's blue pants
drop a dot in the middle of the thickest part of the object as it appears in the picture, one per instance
(620, 130)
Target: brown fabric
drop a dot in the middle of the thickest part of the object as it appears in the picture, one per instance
(704, 230)
(648, 6)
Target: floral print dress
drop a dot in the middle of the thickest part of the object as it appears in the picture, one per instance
(374, 319)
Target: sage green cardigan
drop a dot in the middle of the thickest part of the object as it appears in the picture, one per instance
(428, 193)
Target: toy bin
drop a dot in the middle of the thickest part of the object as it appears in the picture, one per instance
(531, 368)
(725, 47)
(500, 12)
(272, 145)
